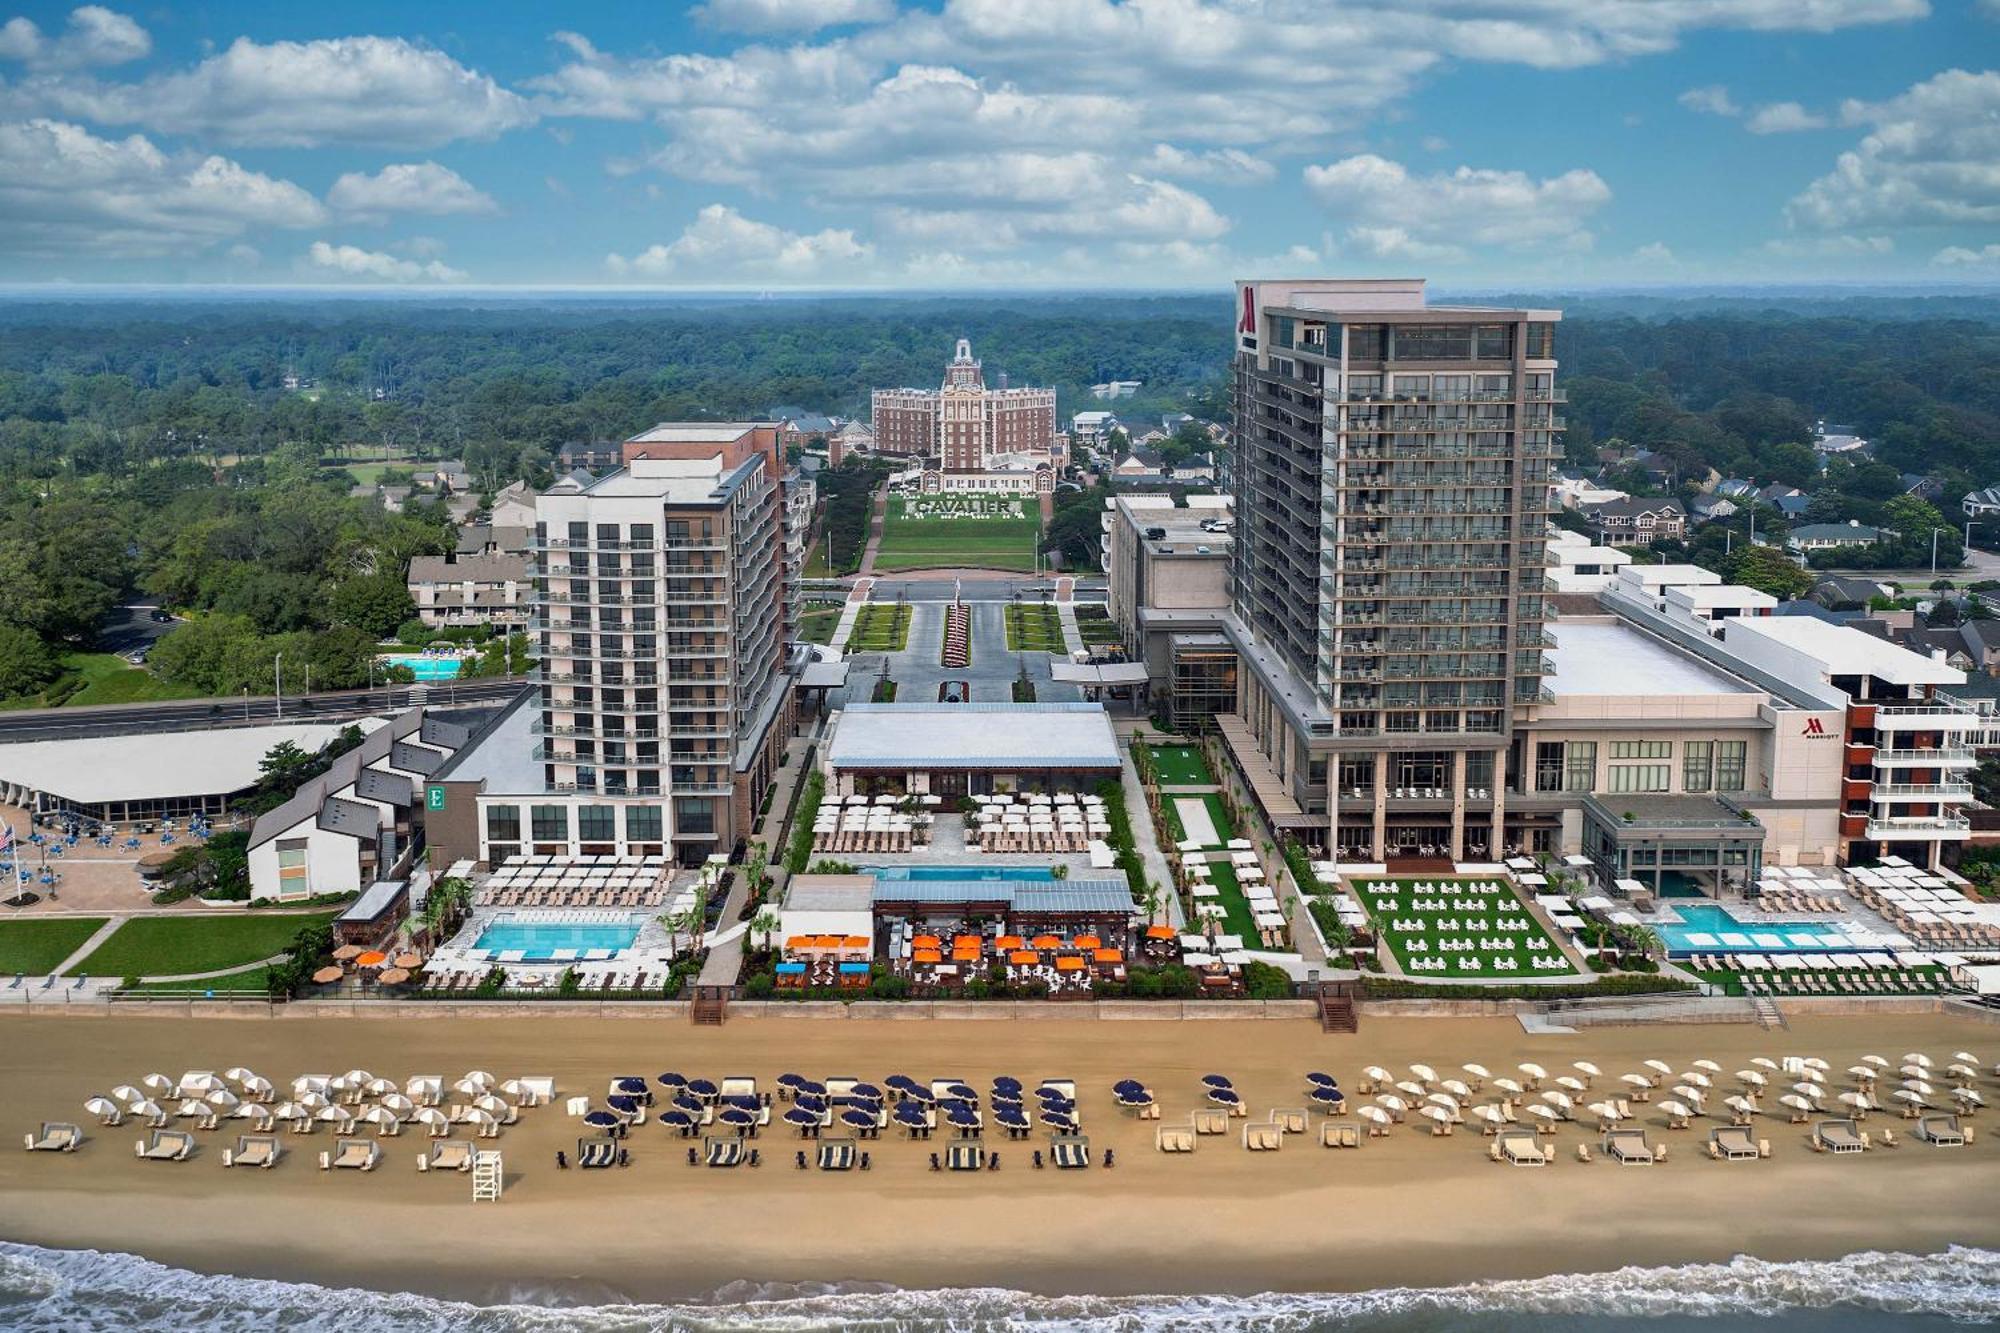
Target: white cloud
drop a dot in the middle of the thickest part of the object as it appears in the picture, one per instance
(1713, 100)
(767, 16)
(1960, 256)
(64, 190)
(1392, 213)
(1230, 166)
(721, 243)
(1784, 118)
(1830, 247)
(408, 187)
(1931, 157)
(95, 36)
(345, 90)
(351, 261)
(243, 256)
(1657, 253)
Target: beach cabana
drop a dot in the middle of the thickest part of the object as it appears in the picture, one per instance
(1628, 1147)
(253, 1150)
(165, 1145)
(352, 1155)
(1070, 1152)
(1732, 1143)
(55, 1136)
(1837, 1136)
(446, 1155)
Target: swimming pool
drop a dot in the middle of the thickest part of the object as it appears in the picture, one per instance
(1707, 928)
(1031, 874)
(555, 941)
(424, 666)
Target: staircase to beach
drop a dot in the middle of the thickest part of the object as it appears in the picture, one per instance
(1336, 1009)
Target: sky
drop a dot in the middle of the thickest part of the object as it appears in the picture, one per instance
(993, 143)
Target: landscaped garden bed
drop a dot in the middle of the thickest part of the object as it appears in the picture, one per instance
(881, 627)
(1035, 627)
(1476, 935)
(1094, 622)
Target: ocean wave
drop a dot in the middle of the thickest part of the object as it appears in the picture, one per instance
(85, 1291)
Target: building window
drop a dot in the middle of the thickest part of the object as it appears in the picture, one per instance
(694, 814)
(550, 822)
(1730, 758)
(1698, 765)
(503, 823)
(1642, 749)
(1548, 766)
(291, 866)
(596, 823)
(642, 823)
(1579, 765)
(1640, 777)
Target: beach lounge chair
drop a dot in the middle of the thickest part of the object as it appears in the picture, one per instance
(253, 1150)
(1263, 1138)
(166, 1145)
(352, 1155)
(1520, 1148)
(722, 1152)
(1290, 1121)
(596, 1152)
(1732, 1143)
(1071, 1152)
(446, 1155)
(1628, 1147)
(54, 1136)
(965, 1157)
(836, 1155)
(1339, 1136)
(1174, 1138)
(1941, 1131)
(1210, 1120)
(1837, 1136)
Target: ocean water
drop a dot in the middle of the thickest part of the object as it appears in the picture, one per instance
(83, 1291)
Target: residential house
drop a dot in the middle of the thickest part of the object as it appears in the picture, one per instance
(1982, 645)
(1924, 488)
(1146, 465)
(1637, 520)
(1735, 488)
(596, 456)
(513, 507)
(1826, 536)
(1831, 439)
(488, 588)
(1982, 504)
(1787, 500)
(1706, 508)
(1848, 594)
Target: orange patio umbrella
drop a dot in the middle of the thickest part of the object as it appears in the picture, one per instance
(1108, 955)
(799, 942)
(1087, 942)
(1009, 942)
(1159, 932)
(1069, 965)
(925, 942)
(927, 956)
(1048, 942)
(373, 958)
(854, 942)
(1024, 958)
(967, 942)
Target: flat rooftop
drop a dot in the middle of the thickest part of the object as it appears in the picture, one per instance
(1846, 651)
(505, 757)
(1005, 737)
(1617, 659)
(674, 480)
(697, 432)
(157, 765)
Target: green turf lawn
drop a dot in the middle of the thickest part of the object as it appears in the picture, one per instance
(1096, 626)
(1238, 919)
(950, 543)
(1181, 766)
(236, 983)
(1731, 983)
(36, 945)
(1035, 627)
(817, 623)
(165, 946)
(107, 679)
(881, 627)
(1396, 904)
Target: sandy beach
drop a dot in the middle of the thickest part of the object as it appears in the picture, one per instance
(1406, 1210)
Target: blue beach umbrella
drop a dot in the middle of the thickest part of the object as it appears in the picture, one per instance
(634, 1086)
(1216, 1081)
(672, 1081)
(600, 1119)
(1128, 1087)
(1224, 1096)
(1326, 1096)
(809, 1088)
(868, 1090)
(1011, 1117)
(909, 1113)
(903, 1083)
(1320, 1080)
(800, 1117)
(790, 1081)
(677, 1119)
(1007, 1083)
(701, 1087)
(735, 1115)
(963, 1093)
(627, 1105)
(857, 1118)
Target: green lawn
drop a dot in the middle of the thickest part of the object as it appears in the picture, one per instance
(1224, 830)
(1731, 983)
(818, 622)
(881, 627)
(36, 946)
(1035, 627)
(950, 543)
(1181, 766)
(1095, 624)
(106, 678)
(1390, 900)
(367, 474)
(251, 982)
(165, 946)
(1236, 907)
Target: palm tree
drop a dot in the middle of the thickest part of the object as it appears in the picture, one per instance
(764, 926)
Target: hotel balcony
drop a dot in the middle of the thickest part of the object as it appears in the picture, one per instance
(1924, 828)
(1953, 757)
(1933, 791)
(1929, 715)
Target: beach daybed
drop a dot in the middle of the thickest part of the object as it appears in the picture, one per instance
(1263, 1138)
(1339, 1136)
(1628, 1147)
(1210, 1120)
(722, 1152)
(1070, 1152)
(1732, 1143)
(836, 1154)
(1518, 1147)
(352, 1155)
(1174, 1138)
(596, 1152)
(1942, 1131)
(165, 1145)
(253, 1150)
(1837, 1136)
(55, 1136)
(965, 1157)
(446, 1155)
(1290, 1121)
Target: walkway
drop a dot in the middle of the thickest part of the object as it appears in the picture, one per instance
(89, 946)
(878, 516)
(272, 961)
(1155, 865)
(725, 948)
(850, 612)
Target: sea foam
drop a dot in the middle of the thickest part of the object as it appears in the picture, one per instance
(85, 1291)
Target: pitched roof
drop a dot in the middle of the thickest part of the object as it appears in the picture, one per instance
(1632, 506)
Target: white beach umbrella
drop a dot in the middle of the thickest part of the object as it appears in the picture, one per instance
(1812, 1092)
(1437, 1113)
(291, 1111)
(1676, 1110)
(1967, 1056)
(1660, 1067)
(334, 1115)
(1914, 1071)
(305, 1083)
(157, 1084)
(1875, 1060)
(1412, 1089)
(1541, 1112)
(1424, 1072)
(484, 1124)
(1742, 1105)
(493, 1106)
(1442, 1099)
(1477, 1071)
(433, 1120)
(1603, 1110)
(383, 1119)
(1376, 1074)
(150, 1111)
(355, 1078)
(1968, 1096)
(479, 1076)
(1862, 1073)
(1508, 1085)
(1912, 1096)
(398, 1104)
(1764, 1062)
(260, 1088)
(1560, 1099)
(379, 1087)
(1814, 1062)
(239, 1074)
(314, 1101)
(222, 1099)
(1963, 1071)
(128, 1094)
(1570, 1082)
(1709, 1066)
(1696, 1077)
(198, 1081)
(1918, 1086)
(1751, 1076)
(1490, 1114)
(1635, 1080)
(1812, 1075)
(1853, 1099)
(251, 1111)
(106, 1110)
(1456, 1088)
(1916, 1058)
(1587, 1069)
(1373, 1114)
(191, 1106)
(514, 1088)
(1689, 1094)
(1534, 1071)
(1396, 1105)
(1796, 1102)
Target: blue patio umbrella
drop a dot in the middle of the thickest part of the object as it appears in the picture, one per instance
(1047, 1093)
(1007, 1083)
(1058, 1119)
(600, 1119)
(922, 1096)
(688, 1104)
(961, 1114)
(672, 1081)
(799, 1116)
(1326, 1096)
(1216, 1081)
(735, 1115)
(746, 1101)
(808, 1088)
(960, 1091)
(1011, 1117)
(634, 1086)
(676, 1119)
(1320, 1080)
(868, 1090)
(627, 1105)
(857, 1118)
(791, 1081)
(701, 1087)
(909, 1113)
(1128, 1087)
(1224, 1096)
(1000, 1099)
(813, 1104)
(903, 1083)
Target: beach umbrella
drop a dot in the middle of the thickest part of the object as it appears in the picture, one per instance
(1456, 1089)
(1913, 1071)
(1968, 1096)
(1319, 1080)
(1325, 1096)
(671, 1081)
(671, 1117)
(1811, 1075)
(1917, 1058)
(1509, 1086)
(1011, 1118)
(1764, 1062)
(1541, 1112)
(105, 1109)
(853, 1117)
(356, 1078)
(482, 1122)
(1588, 1069)
(1854, 1099)
(128, 1094)
(1918, 1085)
(481, 1077)
(157, 1084)
(252, 1111)
(222, 1099)
(494, 1106)
(1490, 1114)
(398, 1103)
(1224, 1097)
(239, 1074)
(298, 1115)
(148, 1110)
(903, 1083)
(738, 1117)
(1700, 1080)
(1127, 1087)
(1374, 1114)
(1797, 1103)
(1660, 1067)
(1412, 1088)
(1812, 1092)
(383, 1119)
(1572, 1084)
(314, 1101)
(1742, 1105)
(1966, 1056)
(1963, 1071)
(1477, 1071)
(790, 1082)
(1008, 1084)
(959, 1113)
(1752, 1077)
(1424, 1072)
(1437, 1113)
(1057, 1119)
(961, 1092)
(1676, 1110)
(701, 1087)
(334, 1115)
(1396, 1105)
(1604, 1111)
(1862, 1073)
(867, 1090)
(1687, 1093)
(619, 1102)
(800, 1118)
(631, 1087)
(1635, 1080)
(1222, 1081)
(433, 1120)
(1875, 1060)
(1559, 1099)
(379, 1087)
(1376, 1074)
(1533, 1071)
(1708, 1066)
(910, 1114)
(1912, 1096)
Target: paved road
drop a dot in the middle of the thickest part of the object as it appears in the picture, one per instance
(130, 627)
(918, 673)
(40, 724)
(998, 589)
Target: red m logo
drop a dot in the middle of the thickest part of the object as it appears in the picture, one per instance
(1815, 727)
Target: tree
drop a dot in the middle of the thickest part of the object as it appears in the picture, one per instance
(377, 603)
(284, 766)
(1943, 615)
(26, 663)
(764, 926)
(1770, 570)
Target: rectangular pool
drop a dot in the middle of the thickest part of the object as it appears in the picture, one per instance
(424, 666)
(540, 941)
(1708, 928)
(1031, 874)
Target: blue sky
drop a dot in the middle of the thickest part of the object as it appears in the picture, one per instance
(979, 143)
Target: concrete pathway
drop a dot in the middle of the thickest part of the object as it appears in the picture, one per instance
(102, 933)
(1154, 863)
(1072, 632)
(725, 947)
(849, 613)
(878, 517)
(272, 961)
